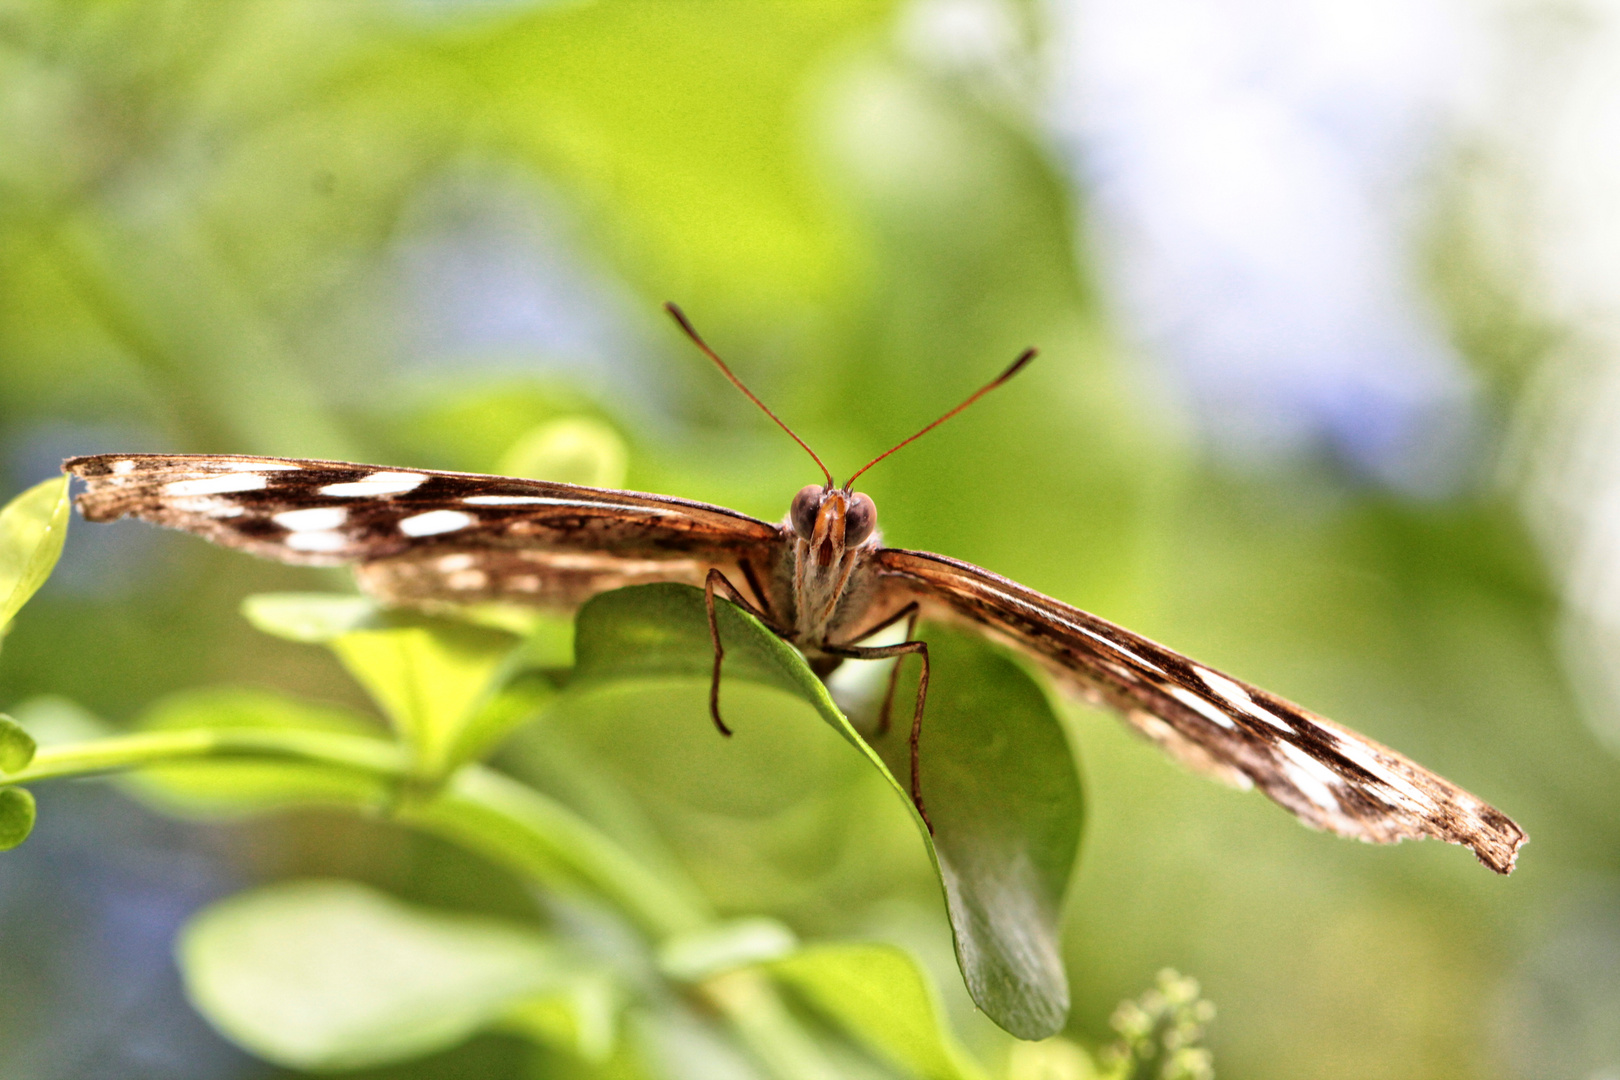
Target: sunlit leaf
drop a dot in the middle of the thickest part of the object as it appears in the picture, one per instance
(16, 746)
(16, 816)
(998, 777)
(881, 997)
(739, 943)
(32, 529)
(51, 720)
(1054, 1059)
(331, 974)
(226, 786)
(580, 1017)
(574, 450)
(517, 701)
(433, 683)
(439, 681)
(311, 618)
(548, 637)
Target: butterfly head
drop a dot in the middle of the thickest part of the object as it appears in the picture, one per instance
(832, 520)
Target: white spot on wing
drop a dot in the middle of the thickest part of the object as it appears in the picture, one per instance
(376, 485)
(314, 518)
(1109, 643)
(1112, 644)
(215, 485)
(124, 466)
(451, 563)
(1240, 697)
(435, 522)
(1362, 756)
(1388, 798)
(1201, 706)
(1223, 686)
(214, 508)
(1121, 672)
(1314, 780)
(316, 541)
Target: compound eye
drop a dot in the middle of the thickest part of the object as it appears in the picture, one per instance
(859, 519)
(805, 506)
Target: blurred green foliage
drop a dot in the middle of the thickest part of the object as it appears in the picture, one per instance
(212, 224)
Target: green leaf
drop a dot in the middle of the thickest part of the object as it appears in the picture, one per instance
(311, 618)
(216, 786)
(1003, 790)
(998, 776)
(881, 997)
(661, 631)
(580, 1017)
(52, 720)
(32, 529)
(434, 682)
(714, 949)
(548, 636)
(440, 681)
(16, 816)
(333, 975)
(516, 702)
(574, 450)
(1055, 1059)
(16, 746)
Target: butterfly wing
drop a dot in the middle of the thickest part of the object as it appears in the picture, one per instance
(1328, 776)
(420, 536)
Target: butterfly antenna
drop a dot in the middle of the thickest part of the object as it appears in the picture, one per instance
(1023, 358)
(680, 317)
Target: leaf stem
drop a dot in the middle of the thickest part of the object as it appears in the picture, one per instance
(120, 753)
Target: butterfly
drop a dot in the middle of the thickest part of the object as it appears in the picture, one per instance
(821, 579)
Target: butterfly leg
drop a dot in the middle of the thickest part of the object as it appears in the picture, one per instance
(884, 652)
(716, 581)
(908, 613)
(748, 574)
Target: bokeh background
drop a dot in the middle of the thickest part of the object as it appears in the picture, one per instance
(1328, 297)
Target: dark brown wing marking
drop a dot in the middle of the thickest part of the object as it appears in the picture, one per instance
(1328, 776)
(421, 535)
(527, 577)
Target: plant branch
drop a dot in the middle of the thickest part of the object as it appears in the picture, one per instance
(120, 753)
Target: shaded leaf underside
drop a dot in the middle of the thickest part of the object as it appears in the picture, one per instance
(998, 776)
